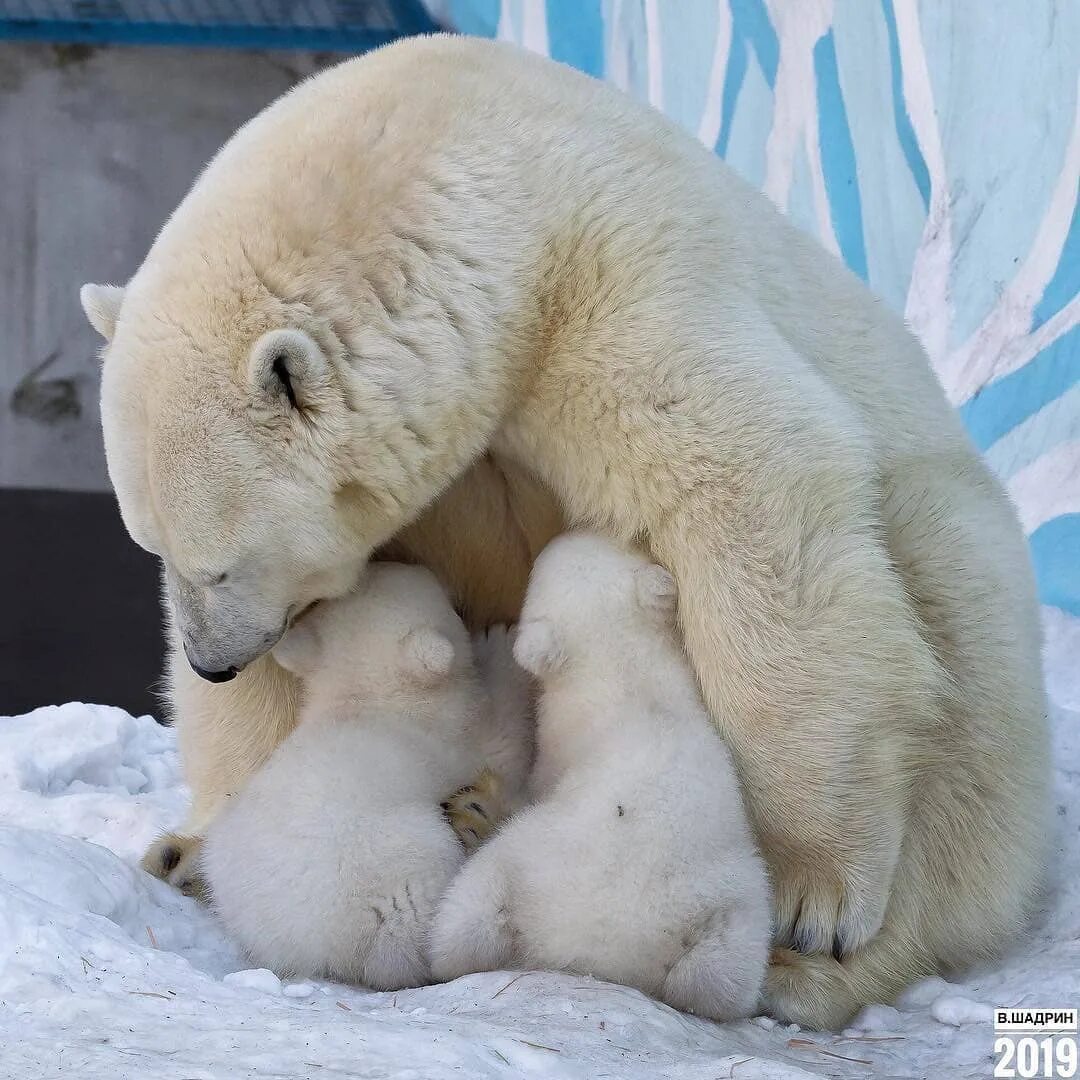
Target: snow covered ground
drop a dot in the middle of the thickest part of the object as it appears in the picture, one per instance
(106, 973)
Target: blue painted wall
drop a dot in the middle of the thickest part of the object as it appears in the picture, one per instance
(932, 144)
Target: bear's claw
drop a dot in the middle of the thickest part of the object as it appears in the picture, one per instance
(821, 912)
(175, 859)
(476, 810)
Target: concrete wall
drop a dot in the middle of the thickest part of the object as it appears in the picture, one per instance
(96, 147)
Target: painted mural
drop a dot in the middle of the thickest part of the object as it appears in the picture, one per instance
(934, 146)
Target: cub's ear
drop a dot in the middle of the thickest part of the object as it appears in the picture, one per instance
(429, 655)
(288, 367)
(298, 650)
(101, 303)
(656, 591)
(537, 648)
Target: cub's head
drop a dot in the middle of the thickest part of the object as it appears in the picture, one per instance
(245, 452)
(584, 592)
(394, 638)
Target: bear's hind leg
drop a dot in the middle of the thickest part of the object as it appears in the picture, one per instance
(953, 905)
(821, 993)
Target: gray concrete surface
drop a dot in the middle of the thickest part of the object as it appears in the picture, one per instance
(96, 147)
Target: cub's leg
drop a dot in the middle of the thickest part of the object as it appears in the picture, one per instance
(477, 809)
(472, 931)
(509, 741)
(719, 975)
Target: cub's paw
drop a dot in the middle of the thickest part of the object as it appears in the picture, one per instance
(474, 927)
(720, 972)
(476, 810)
(823, 908)
(175, 859)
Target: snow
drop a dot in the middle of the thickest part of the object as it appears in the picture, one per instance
(106, 973)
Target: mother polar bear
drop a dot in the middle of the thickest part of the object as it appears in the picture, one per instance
(450, 297)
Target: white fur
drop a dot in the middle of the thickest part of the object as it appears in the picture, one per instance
(637, 863)
(473, 249)
(331, 860)
(508, 739)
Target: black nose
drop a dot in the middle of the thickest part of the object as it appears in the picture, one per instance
(214, 676)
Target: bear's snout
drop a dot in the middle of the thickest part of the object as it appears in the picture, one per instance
(214, 676)
(213, 672)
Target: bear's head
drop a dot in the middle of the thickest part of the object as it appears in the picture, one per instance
(393, 641)
(251, 450)
(586, 592)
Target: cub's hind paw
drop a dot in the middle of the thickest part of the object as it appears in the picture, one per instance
(476, 810)
(175, 859)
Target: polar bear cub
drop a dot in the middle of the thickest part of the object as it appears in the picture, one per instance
(637, 863)
(331, 861)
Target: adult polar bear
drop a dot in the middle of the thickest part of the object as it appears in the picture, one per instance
(449, 268)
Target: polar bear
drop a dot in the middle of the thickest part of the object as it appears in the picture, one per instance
(637, 863)
(219, 753)
(331, 859)
(455, 297)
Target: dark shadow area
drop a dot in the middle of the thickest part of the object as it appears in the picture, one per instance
(79, 613)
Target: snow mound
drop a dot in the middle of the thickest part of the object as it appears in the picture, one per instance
(107, 974)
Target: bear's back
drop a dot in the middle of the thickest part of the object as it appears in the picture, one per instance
(539, 168)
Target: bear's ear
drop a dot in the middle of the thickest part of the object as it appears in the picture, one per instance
(288, 367)
(655, 591)
(298, 650)
(101, 303)
(429, 655)
(537, 648)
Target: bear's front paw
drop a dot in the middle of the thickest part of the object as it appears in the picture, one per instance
(823, 908)
(476, 810)
(175, 859)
